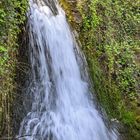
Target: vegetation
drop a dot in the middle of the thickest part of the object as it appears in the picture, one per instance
(109, 35)
(12, 17)
(108, 31)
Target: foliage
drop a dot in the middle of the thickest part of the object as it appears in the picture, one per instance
(109, 34)
(12, 16)
(110, 39)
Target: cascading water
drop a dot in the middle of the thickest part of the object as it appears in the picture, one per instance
(61, 106)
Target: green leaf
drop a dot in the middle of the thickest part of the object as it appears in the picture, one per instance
(3, 49)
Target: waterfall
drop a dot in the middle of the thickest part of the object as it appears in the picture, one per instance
(62, 108)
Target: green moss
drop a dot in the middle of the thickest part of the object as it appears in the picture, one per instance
(68, 10)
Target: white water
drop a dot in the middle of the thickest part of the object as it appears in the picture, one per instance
(61, 105)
